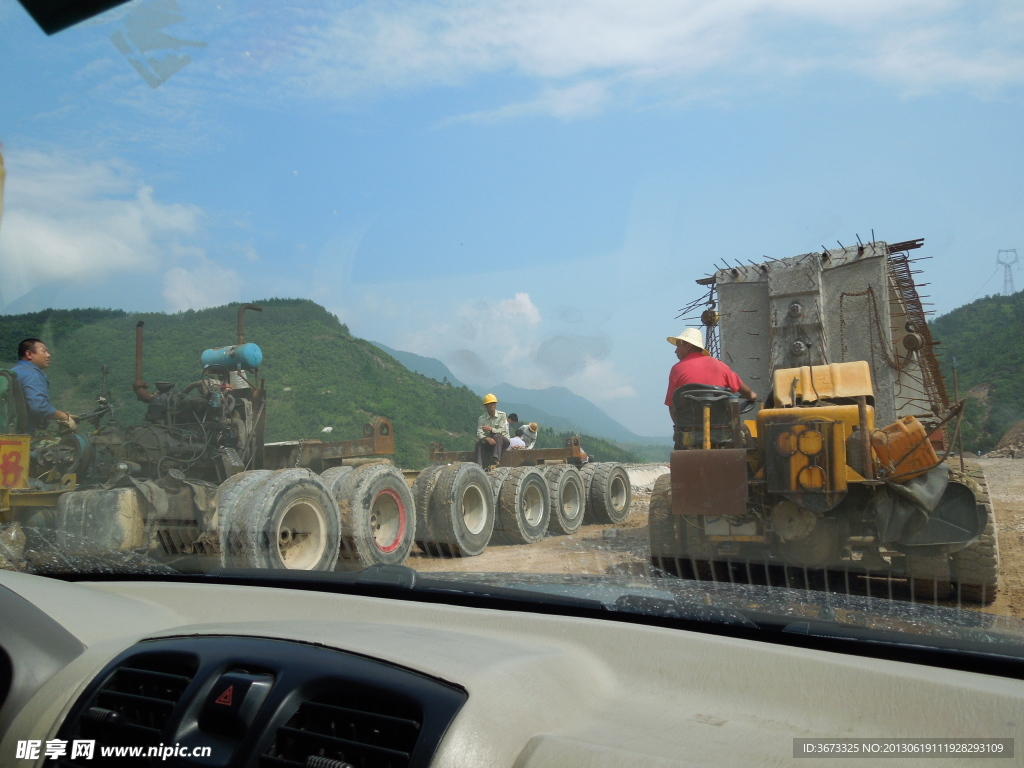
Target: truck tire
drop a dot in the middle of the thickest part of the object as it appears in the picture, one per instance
(667, 533)
(461, 511)
(523, 509)
(566, 497)
(289, 520)
(929, 578)
(975, 569)
(377, 515)
(609, 494)
(228, 501)
(497, 477)
(422, 488)
(334, 477)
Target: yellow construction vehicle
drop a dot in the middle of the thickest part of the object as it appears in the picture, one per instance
(838, 473)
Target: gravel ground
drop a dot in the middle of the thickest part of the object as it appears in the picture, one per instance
(624, 549)
(1005, 479)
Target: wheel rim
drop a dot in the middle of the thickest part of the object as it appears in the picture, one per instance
(570, 498)
(618, 494)
(533, 505)
(474, 509)
(387, 521)
(302, 535)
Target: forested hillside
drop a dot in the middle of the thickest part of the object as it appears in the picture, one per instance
(317, 374)
(986, 338)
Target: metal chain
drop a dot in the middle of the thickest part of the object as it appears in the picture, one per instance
(298, 453)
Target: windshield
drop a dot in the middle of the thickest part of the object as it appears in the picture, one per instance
(698, 309)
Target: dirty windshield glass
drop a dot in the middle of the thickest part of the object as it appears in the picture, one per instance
(698, 308)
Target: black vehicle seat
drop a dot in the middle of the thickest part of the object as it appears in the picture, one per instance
(688, 403)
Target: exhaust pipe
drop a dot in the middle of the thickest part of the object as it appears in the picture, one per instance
(241, 319)
(140, 385)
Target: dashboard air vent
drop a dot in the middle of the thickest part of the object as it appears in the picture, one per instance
(361, 729)
(134, 702)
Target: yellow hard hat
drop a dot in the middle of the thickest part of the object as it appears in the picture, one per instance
(489, 398)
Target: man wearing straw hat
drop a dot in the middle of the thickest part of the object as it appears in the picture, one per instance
(696, 366)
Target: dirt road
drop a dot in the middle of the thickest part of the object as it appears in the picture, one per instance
(624, 549)
(1005, 479)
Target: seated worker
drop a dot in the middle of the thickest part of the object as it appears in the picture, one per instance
(528, 432)
(513, 419)
(33, 359)
(696, 366)
(491, 433)
(516, 443)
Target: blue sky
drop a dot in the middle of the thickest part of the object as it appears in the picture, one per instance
(524, 190)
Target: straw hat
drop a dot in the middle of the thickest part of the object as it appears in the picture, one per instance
(690, 336)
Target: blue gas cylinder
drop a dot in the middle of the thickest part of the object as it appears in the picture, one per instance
(237, 357)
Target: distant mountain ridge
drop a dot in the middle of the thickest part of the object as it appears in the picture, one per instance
(555, 407)
(565, 410)
(430, 367)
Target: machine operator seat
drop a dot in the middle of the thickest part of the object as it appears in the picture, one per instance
(688, 403)
(13, 411)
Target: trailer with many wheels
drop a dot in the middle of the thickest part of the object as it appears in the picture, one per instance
(533, 493)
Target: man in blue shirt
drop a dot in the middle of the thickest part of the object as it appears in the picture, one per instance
(33, 359)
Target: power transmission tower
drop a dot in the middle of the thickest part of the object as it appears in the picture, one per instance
(1008, 263)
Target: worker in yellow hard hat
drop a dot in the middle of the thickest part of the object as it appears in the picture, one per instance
(491, 433)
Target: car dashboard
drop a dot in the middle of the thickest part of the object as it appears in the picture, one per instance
(325, 680)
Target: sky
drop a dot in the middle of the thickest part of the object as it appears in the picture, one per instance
(525, 190)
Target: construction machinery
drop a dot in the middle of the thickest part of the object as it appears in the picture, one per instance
(842, 469)
(195, 485)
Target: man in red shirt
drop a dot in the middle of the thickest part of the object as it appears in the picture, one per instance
(696, 366)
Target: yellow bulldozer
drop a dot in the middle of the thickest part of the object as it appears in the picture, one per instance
(842, 473)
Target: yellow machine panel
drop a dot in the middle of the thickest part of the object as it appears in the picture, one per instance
(14, 457)
(805, 452)
(822, 382)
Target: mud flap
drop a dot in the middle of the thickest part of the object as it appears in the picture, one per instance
(709, 482)
(955, 523)
(929, 515)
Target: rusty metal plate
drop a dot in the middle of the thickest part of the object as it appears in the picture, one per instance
(709, 482)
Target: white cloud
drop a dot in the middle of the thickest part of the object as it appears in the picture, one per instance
(204, 285)
(577, 101)
(71, 220)
(601, 382)
(510, 340)
(579, 51)
(520, 307)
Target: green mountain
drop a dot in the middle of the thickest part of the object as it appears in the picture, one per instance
(317, 374)
(986, 339)
(428, 366)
